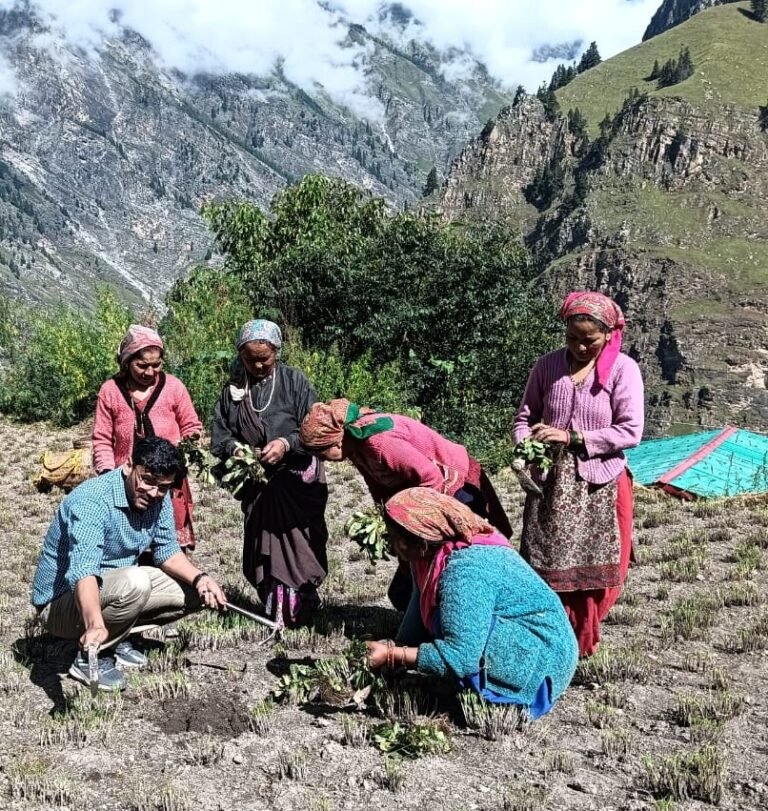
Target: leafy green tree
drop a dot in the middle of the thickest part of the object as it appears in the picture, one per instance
(431, 184)
(204, 313)
(590, 58)
(452, 308)
(56, 360)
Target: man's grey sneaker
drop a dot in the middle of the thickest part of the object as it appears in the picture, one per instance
(110, 678)
(127, 656)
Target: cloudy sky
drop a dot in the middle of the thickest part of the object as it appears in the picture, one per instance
(251, 36)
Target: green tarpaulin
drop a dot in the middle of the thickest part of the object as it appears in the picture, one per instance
(711, 464)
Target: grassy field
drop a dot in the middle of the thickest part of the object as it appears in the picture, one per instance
(730, 56)
(671, 713)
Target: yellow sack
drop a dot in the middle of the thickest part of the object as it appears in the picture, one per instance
(65, 469)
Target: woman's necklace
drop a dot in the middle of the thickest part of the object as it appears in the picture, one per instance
(580, 375)
(269, 399)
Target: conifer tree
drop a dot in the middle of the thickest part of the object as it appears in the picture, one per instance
(431, 184)
(655, 71)
(577, 123)
(759, 10)
(590, 59)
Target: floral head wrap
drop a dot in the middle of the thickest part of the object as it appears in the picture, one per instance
(260, 330)
(441, 520)
(604, 309)
(434, 517)
(326, 424)
(137, 338)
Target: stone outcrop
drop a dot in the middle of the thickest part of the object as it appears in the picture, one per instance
(674, 225)
(673, 12)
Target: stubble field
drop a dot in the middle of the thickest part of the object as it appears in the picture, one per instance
(671, 714)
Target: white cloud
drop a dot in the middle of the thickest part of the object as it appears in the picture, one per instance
(8, 84)
(309, 40)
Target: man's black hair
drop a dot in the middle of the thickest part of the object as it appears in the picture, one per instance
(158, 457)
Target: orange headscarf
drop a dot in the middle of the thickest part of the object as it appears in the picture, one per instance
(326, 423)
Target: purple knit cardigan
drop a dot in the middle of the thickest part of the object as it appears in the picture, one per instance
(610, 418)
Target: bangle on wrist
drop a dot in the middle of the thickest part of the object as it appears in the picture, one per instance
(574, 438)
(198, 578)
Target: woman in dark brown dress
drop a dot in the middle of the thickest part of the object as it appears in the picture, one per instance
(285, 535)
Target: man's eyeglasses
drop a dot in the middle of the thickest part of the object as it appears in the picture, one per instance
(151, 487)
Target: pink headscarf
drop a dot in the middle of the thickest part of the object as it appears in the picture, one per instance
(596, 305)
(136, 339)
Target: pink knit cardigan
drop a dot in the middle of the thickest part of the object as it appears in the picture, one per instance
(409, 455)
(610, 418)
(173, 417)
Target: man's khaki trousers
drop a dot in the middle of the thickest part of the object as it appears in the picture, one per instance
(134, 595)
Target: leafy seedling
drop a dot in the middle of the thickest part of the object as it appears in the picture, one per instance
(368, 530)
(198, 458)
(243, 468)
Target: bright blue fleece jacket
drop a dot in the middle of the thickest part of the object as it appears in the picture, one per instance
(532, 639)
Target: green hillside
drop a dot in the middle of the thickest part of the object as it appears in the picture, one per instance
(730, 56)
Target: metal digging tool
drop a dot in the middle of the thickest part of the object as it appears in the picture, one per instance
(93, 669)
(274, 626)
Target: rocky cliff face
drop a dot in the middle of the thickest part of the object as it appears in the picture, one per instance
(105, 159)
(667, 213)
(673, 12)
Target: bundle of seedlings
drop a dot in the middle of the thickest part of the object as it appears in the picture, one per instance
(414, 738)
(243, 468)
(529, 453)
(368, 530)
(198, 459)
(345, 680)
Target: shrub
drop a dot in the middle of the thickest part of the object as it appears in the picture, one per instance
(205, 312)
(56, 360)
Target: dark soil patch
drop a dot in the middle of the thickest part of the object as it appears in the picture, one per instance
(215, 713)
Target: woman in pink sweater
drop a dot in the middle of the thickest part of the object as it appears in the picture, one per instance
(142, 400)
(394, 452)
(587, 401)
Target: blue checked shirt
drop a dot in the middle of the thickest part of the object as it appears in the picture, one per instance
(94, 530)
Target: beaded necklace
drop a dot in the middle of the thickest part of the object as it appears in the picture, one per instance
(269, 399)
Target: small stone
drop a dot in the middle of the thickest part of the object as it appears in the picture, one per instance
(237, 758)
(593, 685)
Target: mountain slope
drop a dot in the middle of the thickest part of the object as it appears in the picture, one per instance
(673, 12)
(730, 56)
(668, 211)
(105, 158)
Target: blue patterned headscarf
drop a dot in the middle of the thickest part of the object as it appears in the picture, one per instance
(260, 330)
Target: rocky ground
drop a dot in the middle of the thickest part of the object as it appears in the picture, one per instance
(671, 714)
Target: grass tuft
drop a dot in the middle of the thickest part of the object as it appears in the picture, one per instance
(696, 775)
(621, 663)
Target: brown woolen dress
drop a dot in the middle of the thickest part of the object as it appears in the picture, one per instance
(284, 533)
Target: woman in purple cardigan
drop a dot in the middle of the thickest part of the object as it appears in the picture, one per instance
(587, 400)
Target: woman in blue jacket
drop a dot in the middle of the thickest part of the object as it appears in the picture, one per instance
(478, 612)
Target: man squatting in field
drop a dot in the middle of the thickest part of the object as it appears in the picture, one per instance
(88, 584)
